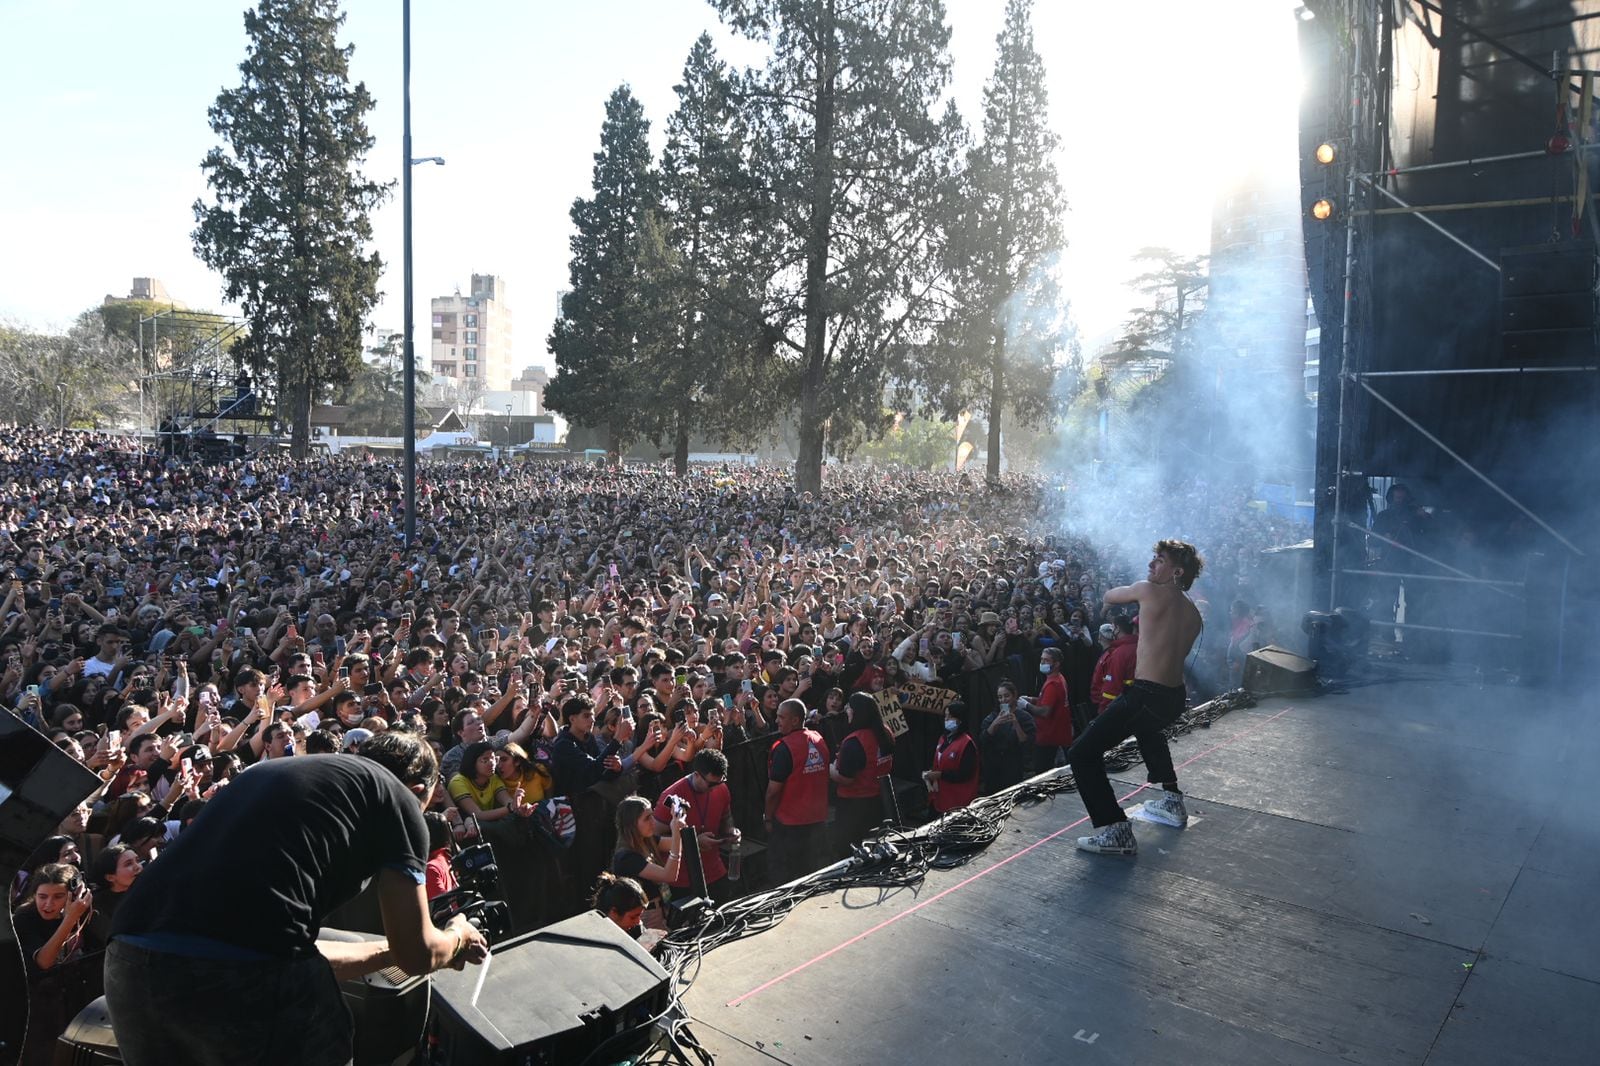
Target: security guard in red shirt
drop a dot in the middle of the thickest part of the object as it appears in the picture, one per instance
(866, 758)
(797, 796)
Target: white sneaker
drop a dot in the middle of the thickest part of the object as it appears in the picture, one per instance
(1168, 809)
(1114, 839)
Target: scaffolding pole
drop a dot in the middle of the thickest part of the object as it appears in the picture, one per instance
(1436, 577)
(1447, 629)
(1473, 205)
(1393, 172)
(1481, 370)
(1356, 94)
(1426, 558)
(1474, 471)
(1431, 224)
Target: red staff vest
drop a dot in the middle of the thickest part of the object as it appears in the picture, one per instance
(805, 792)
(952, 794)
(879, 764)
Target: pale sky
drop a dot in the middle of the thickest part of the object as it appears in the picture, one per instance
(105, 126)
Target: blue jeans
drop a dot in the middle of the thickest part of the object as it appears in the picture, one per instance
(1143, 711)
(173, 1010)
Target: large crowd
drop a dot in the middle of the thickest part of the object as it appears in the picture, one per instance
(555, 629)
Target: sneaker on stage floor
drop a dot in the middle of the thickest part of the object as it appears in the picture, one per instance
(1114, 839)
(1168, 809)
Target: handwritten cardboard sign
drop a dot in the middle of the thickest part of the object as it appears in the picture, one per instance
(894, 719)
(929, 699)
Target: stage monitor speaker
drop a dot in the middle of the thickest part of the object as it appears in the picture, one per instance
(551, 997)
(1272, 671)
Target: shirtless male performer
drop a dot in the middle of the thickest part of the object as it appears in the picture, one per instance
(1168, 626)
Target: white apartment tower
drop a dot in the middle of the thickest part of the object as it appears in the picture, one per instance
(472, 337)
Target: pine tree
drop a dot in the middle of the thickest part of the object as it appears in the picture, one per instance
(715, 369)
(1177, 286)
(602, 342)
(293, 210)
(853, 156)
(996, 350)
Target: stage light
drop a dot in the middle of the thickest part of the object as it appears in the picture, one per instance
(1322, 210)
(1325, 153)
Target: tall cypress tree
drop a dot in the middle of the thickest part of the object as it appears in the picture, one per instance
(996, 349)
(602, 342)
(854, 157)
(292, 210)
(706, 276)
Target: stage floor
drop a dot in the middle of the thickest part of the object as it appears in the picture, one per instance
(1402, 873)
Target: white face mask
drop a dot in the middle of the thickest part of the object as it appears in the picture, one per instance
(1044, 666)
(951, 725)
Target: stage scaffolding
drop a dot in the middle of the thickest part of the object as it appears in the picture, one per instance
(1363, 35)
(190, 382)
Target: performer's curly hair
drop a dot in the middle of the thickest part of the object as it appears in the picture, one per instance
(1183, 556)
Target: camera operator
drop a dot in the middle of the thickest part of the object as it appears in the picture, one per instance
(234, 907)
(707, 808)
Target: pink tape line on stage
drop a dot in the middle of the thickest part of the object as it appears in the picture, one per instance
(914, 908)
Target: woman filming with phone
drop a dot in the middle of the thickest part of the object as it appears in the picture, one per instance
(51, 929)
(639, 854)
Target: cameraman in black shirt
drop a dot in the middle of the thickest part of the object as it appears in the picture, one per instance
(230, 914)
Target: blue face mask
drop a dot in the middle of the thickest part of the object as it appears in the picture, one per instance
(951, 725)
(1044, 666)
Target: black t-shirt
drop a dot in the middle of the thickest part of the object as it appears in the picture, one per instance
(34, 932)
(287, 842)
(780, 762)
(852, 757)
(626, 863)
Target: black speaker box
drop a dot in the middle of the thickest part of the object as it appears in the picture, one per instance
(1272, 671)
(1556, 310)
(1535, 270)
(551, 997)
(1549, 347)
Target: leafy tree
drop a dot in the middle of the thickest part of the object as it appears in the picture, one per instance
(996, 351)
(704, 274)
(921, 443)
(1175, 285)
(600, 342)
(293, 210)
(376, 393)
(80, 378)
(853, 159)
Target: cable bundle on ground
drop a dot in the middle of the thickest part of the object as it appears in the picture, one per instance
(893, 858)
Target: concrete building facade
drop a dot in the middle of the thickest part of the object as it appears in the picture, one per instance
(472, 336)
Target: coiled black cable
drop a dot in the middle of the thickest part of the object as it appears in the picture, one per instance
(892, 858)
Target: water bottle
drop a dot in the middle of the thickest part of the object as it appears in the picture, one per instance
(735, 861)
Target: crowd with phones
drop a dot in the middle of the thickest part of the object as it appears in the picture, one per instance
(554, 628)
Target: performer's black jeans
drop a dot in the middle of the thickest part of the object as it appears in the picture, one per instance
(173, 1010)
(1142, 711)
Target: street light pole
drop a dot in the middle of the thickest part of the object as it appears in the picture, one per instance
(408, 355)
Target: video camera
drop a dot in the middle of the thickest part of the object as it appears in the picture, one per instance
(478, 873)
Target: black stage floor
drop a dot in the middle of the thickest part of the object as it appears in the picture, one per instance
(1403, 873)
